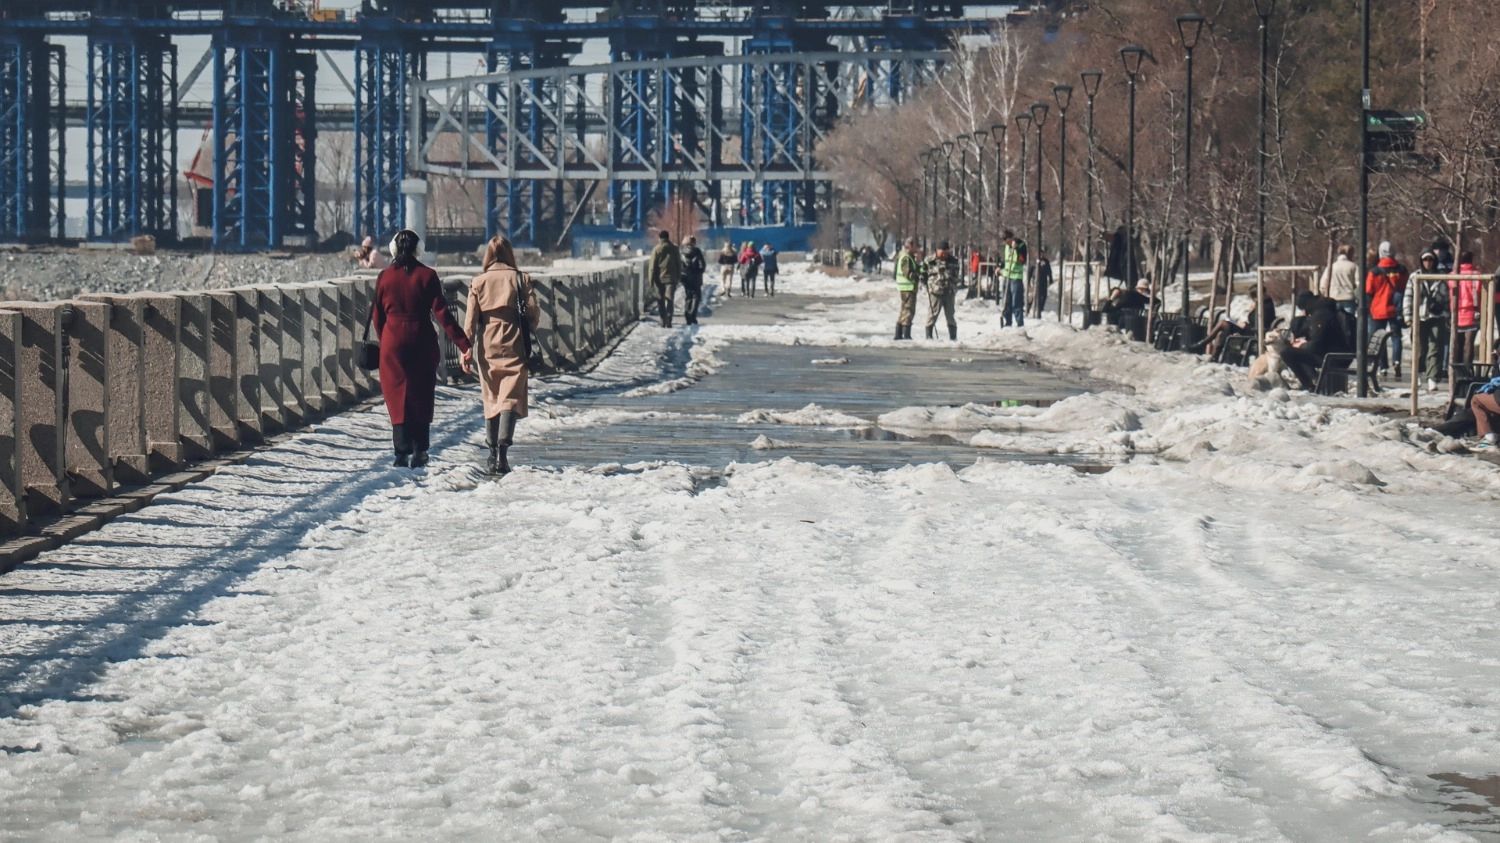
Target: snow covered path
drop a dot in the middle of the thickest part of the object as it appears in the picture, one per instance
(1277, 622)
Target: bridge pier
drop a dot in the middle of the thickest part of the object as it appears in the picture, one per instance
(132, 132)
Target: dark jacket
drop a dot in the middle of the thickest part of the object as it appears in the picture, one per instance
(666, 263)
(1323, 327)
(693, 265)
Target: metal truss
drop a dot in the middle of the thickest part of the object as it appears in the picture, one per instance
(132, 135)
(383, 69)
(264, 140)
(652, 128)
(32, 137)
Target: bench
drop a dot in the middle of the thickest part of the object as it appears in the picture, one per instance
(1339, 366)
(1237, 350)
(1467, 379)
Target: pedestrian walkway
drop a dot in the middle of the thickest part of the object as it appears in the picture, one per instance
(779, 643)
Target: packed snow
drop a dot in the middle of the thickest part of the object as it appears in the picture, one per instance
(1273, 619)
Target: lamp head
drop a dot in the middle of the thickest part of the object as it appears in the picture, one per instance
(1091, 81)
(1265, 8)
(1064, 96)
(997, 131)
(1039, 113)
(948, 148)
(1131, 57)
(1190, 27)
(1023, 120)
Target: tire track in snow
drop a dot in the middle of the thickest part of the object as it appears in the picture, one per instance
(1290, 743)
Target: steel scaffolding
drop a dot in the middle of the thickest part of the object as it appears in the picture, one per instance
(651, 132)
(662, 126)
(264, 141)
(132, 133)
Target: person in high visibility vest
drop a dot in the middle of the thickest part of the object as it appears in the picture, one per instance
(1014, 272)
(908, 273)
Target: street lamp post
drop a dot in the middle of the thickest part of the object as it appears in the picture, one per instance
(1131, 57)
(1264, 9)
(1362, 331)
(1063, 94)
(1023, 123)
(947, 189)
(929, 190)
(1190, 27)
(977, 241)
(963, 193)
(1038, 117)
(1091, 82)
(997, 132)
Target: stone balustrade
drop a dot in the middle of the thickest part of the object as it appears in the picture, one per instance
(111, 391)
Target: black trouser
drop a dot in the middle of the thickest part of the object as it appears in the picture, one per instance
(409, 437)
(1304, 364)
(692, 299)
(747, 282)
(771, 283)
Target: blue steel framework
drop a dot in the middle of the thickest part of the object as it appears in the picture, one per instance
(265, 120)
(654, 129)
(32, 104)
(384, 64)
(263, 146)
(132, 133)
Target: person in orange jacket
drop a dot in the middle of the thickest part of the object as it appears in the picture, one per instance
(1385, 285)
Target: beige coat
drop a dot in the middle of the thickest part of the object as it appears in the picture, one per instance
(492, 326)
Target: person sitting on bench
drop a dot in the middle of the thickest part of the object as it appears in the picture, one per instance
(1322, 333)
(1227, 328)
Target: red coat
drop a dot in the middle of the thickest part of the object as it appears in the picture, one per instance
(1385, 284)
(407, 299)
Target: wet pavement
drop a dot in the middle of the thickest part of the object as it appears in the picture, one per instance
(701, 424)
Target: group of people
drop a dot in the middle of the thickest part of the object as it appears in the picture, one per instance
(494, 342)
(942, 275)
(749, 262)
(867, 258)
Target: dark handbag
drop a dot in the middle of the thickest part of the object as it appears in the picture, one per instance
(523, 316)
(367, 353)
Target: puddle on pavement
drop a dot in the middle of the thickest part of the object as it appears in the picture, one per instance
(880, 434)
(1477, 798)
(1023, 402)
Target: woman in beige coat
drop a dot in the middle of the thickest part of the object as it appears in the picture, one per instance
(493, 325)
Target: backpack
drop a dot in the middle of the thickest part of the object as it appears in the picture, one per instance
(1435, 299)
(1020, 251)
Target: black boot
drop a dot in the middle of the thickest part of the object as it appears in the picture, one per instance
(492, 438)
(906, 332)
(929, 332)
(506, 426)
(401, 446)
(898, 330)
(953, 332)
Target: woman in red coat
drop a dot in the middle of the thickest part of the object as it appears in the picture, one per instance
(408, 296)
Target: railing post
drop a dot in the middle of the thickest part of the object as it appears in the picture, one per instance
(13, 510)
(194, 426)
(223, 370)
(42, 398)
(90, 470)
(163, 316)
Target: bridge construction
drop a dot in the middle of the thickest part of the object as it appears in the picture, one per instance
(673, 112)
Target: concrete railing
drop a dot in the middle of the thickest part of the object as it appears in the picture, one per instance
(110, 391)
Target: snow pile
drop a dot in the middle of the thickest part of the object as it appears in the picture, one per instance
(766, 443)
(811, 415)
(1180, 407)
(831, 361)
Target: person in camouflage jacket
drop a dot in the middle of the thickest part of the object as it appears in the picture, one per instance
(943, 276)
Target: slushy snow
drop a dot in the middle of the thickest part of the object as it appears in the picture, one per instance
(1274, 619)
